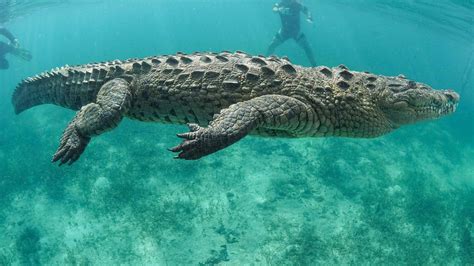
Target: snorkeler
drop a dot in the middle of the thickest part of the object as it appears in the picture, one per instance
(11, 48)
(289, 11)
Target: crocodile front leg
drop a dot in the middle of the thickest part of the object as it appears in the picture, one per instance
(230, 125)
(113, 100)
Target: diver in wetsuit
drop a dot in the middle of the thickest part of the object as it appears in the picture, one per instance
(11, 48)
(289, 11)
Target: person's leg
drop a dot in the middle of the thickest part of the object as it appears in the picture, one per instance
(4, 63)
(5, 48)
(277, 41)
(22, 54)
(303, 43)
(18, 52)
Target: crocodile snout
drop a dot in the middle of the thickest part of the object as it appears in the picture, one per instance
(452, 96)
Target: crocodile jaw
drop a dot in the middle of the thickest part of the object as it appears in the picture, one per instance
(419, 104)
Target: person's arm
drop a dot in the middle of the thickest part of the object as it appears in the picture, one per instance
(8, 35)
(307, 13)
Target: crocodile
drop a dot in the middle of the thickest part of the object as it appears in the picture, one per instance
(223, 97)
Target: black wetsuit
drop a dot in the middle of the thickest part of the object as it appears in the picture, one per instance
(5, 48)
(290, 15)
(290, 20)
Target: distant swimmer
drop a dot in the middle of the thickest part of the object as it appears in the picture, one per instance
(289, 11)
(11, 48)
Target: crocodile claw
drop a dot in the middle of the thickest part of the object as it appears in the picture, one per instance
(193, 146)
(71, 147)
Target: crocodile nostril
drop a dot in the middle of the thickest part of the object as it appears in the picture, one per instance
(452, 97)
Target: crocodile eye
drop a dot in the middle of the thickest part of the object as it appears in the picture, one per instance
(396, 87)
(411, 84)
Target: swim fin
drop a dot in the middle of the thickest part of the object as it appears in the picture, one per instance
(22, 53)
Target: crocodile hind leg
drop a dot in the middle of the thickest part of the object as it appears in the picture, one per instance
(230, 125)
(113, 100)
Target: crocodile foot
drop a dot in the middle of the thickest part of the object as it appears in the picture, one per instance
(71, 147)
(197, 143)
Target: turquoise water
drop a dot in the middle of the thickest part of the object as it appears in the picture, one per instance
(404, 198)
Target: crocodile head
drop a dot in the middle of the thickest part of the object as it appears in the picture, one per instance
(403, 101)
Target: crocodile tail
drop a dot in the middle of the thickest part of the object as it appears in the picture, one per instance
(73, 87)
(68, 87)
(34, 91)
